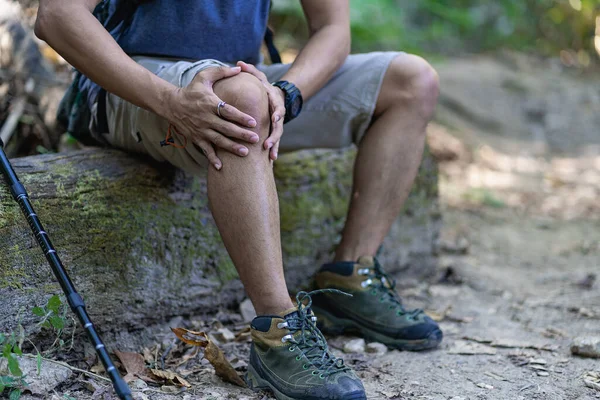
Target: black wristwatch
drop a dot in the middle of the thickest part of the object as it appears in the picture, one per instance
(293, 99)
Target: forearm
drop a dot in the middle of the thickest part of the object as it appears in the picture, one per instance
(322, 56)
(73, 31)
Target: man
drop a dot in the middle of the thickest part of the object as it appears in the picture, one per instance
(224, 109)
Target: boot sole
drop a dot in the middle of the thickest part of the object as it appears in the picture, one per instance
(333, 325)
(256, 384)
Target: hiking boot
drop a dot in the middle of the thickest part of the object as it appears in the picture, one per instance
(374, 311)
(289, 356)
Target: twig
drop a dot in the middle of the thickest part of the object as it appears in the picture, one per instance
(17, 111)
(13, 119)
(88, 373)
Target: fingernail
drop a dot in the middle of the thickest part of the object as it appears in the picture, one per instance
(277, 117)
(251, 123)
(254, 138)
(217, 166)
(270, 145)
(243, 151)
(236, 69)
(275, 155)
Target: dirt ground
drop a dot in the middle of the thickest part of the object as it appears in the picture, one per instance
(519, 257)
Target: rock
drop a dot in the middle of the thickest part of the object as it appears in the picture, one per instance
(543, 373)
(377, 348)
(51, 374)
(469, 348)
(586, 346)
(247, 310)
(138, 384)
(355, 346)
(224, 335)
(485, 386)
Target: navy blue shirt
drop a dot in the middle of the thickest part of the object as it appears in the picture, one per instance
(225, 30)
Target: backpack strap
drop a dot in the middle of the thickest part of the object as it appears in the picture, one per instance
(273, 52)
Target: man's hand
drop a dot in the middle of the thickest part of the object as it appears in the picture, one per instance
(193, 110)
(276, 106)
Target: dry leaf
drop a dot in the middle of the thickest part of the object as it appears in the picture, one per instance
(98, 368)
(172, 377)
(439, 316)
(212, 353)
(135, 366)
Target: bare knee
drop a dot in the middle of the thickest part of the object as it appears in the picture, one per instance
(410, 82)
(246, 93)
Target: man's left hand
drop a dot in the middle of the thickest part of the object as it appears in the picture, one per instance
(276, 106)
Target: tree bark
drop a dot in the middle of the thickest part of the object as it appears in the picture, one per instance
(141, 245)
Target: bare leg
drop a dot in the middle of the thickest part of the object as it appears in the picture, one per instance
(389, 155)
(244, 203)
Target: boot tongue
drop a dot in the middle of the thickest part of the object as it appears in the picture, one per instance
(367, 261)
(289, 313)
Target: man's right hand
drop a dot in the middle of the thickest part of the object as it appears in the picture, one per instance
(193, 111)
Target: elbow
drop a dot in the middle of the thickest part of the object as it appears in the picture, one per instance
(49, 16)
(42, 23)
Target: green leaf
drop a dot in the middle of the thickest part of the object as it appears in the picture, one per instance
(2, 338)
(17, 350)
(39, 311)
(57, 322)
(1, 388)
(6, 380)
(46, 324)
(13, 366)
(54, 304)
(6, 350)
(39, 363)
(15, 395)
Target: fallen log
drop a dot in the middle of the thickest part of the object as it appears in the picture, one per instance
(141, 245)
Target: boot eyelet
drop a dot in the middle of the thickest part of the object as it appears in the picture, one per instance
(305, 366)
(292, 348)
(322, 376)
(381, 299)
(374, 292)
(298, 358)
(314, 372)
(392, 307)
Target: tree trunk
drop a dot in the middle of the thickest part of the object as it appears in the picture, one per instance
(141, 245)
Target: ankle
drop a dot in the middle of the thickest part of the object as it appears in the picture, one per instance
(272, 308)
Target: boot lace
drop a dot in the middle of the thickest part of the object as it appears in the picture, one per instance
(310, 342)
(381, 282)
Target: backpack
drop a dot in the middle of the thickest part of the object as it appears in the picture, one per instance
(74, 113)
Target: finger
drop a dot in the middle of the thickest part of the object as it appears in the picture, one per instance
(223, 142)
(214, 74)
(274, 152)
(277, 118)
(233, 131)
(210, 153)
(230, 113)
(251, 69)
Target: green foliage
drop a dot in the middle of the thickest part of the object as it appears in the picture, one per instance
(447, 27)
(13, 382)
(53, 314)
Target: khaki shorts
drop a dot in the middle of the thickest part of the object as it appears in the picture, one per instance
(337, 116)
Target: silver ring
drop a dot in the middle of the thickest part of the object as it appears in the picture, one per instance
(221, 104)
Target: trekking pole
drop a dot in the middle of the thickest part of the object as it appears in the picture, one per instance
(73, 298)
